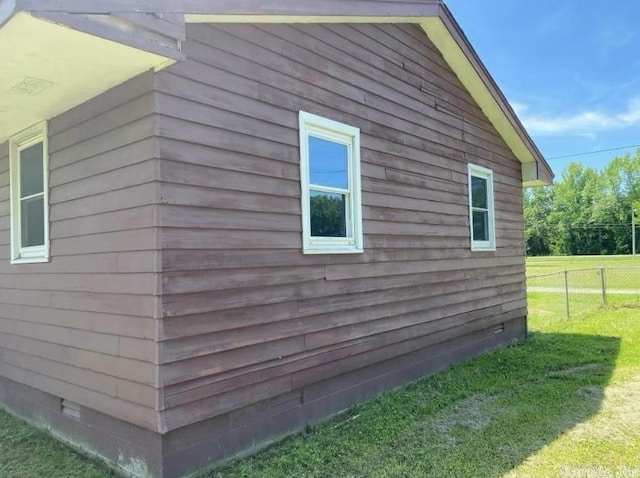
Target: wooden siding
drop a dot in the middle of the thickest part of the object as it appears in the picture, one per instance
(247, 315)
(83, 326)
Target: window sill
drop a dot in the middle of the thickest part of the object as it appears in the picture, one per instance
(332, 250)
(30, 260)
(483, 248)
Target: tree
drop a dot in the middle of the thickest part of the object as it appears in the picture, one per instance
(327, 215)
(586, 211)
(538, 204)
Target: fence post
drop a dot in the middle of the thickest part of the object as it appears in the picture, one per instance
(604, 287)
(566, 290)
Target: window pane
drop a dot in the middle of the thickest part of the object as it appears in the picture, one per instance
(32, 221)
(328, 163)
(328, 214)
(31, 179)
(480, 226)
(479, 192)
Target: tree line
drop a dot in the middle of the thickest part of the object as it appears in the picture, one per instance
(586, 211)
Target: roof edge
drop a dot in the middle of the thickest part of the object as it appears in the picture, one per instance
(544, 172)
(433, 15)
(130, 31)
(326, 8)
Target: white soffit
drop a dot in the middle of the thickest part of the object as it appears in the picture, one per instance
(46, 69)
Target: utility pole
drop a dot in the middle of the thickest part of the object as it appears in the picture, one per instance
(633, 230)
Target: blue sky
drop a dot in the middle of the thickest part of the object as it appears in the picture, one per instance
(570, 69)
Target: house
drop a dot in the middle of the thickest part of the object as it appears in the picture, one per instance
(223, 220)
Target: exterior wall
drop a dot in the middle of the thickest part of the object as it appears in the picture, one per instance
(139, 452)
(248, 317)
(133, 450)
(178, 310)
(243, 431)
(82, 326)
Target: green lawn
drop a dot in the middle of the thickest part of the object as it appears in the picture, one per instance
(26, 452)
(564, 400)
(563, 403)
(545, 275)
(544, 265)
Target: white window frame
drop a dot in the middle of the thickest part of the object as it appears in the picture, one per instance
(17, 143)
(486, 174)
(341, 133)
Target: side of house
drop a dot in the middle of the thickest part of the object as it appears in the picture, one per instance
(78, 331)
(226, 230)
(259, 337)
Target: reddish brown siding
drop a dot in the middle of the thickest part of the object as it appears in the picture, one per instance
(177, 298)
(83, 326)
(247, 316)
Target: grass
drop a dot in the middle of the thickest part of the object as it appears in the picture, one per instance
(563, 400)
(544, 274)
(608, 443)
(563, 403)
(26, 452)
(544, 265)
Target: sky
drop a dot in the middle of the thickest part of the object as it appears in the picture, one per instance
(569, 68)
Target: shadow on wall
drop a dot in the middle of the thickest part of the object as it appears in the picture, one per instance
(480, 418)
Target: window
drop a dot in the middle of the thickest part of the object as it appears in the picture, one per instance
(330, 174)
(28, 162)
(481, 213)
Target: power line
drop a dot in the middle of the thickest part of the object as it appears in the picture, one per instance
(588, 226)
(593, 152)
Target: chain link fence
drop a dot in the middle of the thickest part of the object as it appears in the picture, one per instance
(576, 291)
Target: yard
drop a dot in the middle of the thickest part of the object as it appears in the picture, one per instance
(563, 403)
(586, 277)
(542, 265)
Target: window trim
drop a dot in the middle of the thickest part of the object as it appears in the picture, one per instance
(17, 143)
(343, 134)
(486, 174)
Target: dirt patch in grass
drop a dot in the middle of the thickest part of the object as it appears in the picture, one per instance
(470, 414)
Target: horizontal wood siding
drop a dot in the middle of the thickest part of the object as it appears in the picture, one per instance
(247, 315)
(83, 326)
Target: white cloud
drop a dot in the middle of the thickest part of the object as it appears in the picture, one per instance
(584, 123)
(520, 108)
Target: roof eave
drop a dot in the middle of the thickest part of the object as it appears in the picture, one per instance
(434, 17)
(48, 67)
(289, 8)
(447, 35)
